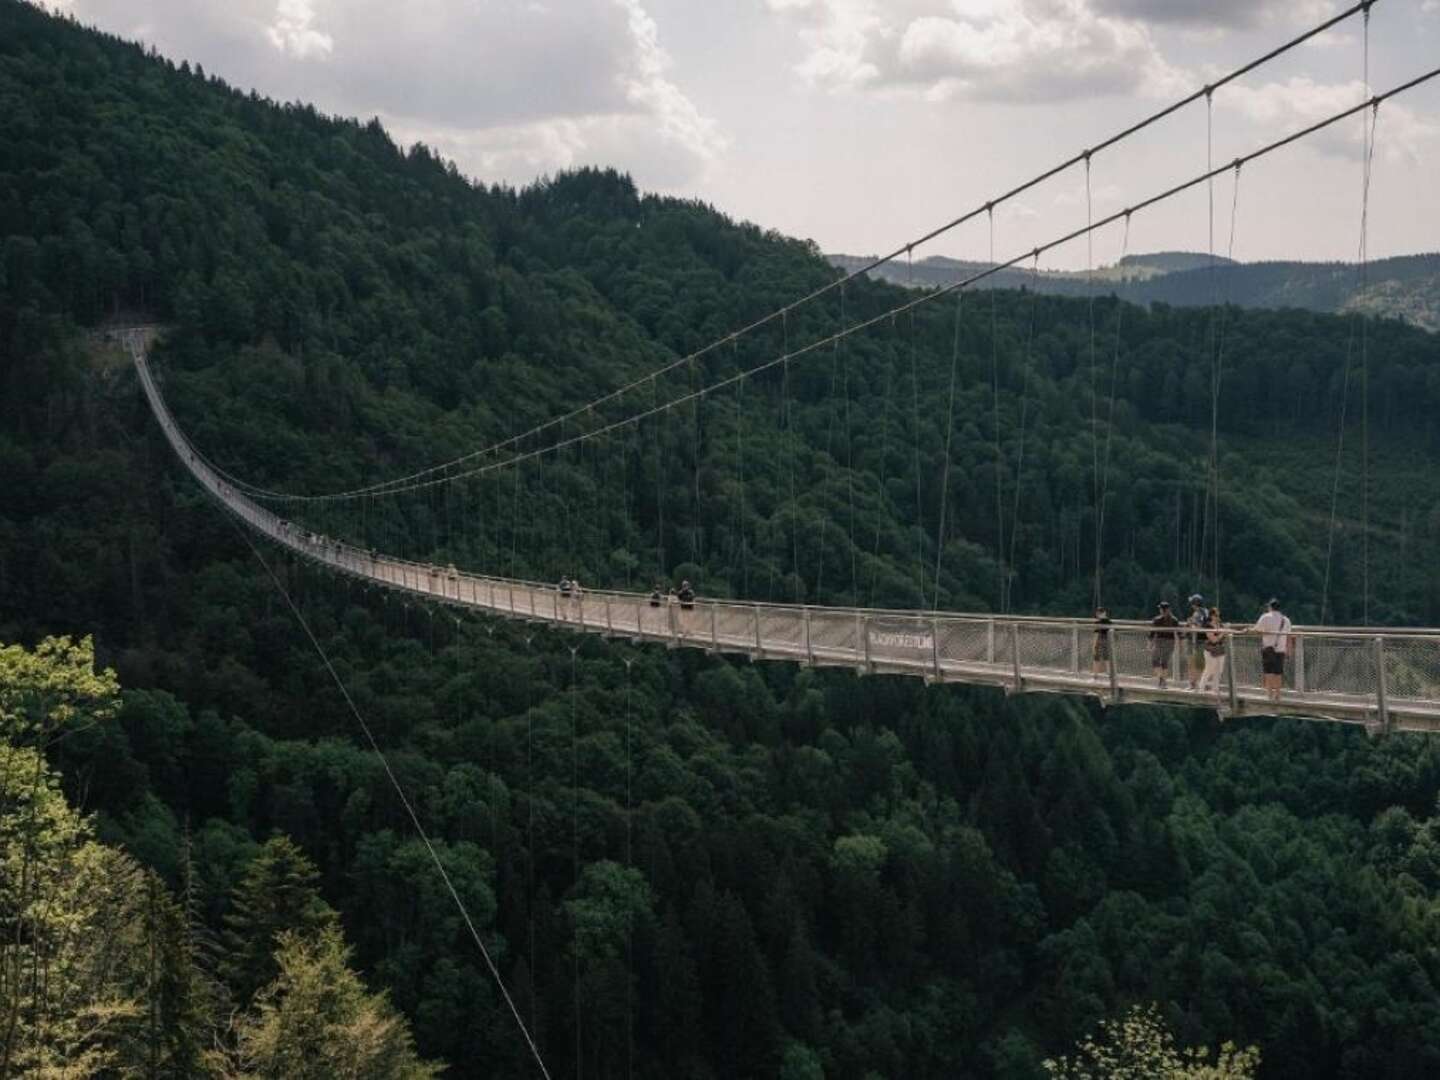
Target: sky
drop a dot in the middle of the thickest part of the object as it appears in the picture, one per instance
(864, 124)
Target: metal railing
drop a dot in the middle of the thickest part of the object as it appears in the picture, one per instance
(1385, 679)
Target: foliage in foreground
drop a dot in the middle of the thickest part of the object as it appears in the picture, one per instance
(1140, 1046)
(104, 972)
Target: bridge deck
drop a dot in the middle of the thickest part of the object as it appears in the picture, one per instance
(1386, 680)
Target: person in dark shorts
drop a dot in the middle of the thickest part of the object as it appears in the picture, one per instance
(1100, 647)
(1273, 626)
(1162, 643)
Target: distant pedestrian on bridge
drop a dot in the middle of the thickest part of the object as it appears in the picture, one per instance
(1274, 628)
(1100, 648)
(1199, 618)
(1162, 643)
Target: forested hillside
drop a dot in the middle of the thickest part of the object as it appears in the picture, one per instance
(695, 867)
(1405, 287)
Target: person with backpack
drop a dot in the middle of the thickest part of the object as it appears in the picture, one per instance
(687, 596)
(1162, 643)
(1274, 627)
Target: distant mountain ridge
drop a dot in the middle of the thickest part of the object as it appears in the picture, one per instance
(1405, 287)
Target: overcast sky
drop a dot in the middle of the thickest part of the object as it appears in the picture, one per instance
(864, 123)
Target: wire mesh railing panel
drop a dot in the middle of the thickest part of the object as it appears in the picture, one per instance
(1136, 652)
(735, 626)
(966, 641)
(653, 620)
(836, 634)
(1337, 665)
(1049, 648)
(1412, 669)
(621, 614)
(782, 629)
(692, 624)
(1004, 645)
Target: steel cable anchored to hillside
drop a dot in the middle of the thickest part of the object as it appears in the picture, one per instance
(397, 485)
(408, 806)
(911, 305)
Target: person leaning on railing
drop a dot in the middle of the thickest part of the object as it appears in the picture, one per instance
(1215, 647)
(1162, 642)
(1199, 618)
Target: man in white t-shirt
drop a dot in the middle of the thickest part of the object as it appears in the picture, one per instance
(1274, 629)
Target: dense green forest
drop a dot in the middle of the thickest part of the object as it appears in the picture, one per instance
(1403, 286)
(685, 865)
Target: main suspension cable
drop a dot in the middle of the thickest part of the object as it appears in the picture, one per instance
(1083, 156)
(926, 298)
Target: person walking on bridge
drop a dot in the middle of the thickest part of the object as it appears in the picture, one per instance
(564, 589)
(1162, 643)
(1100, 649)
(1274, 627)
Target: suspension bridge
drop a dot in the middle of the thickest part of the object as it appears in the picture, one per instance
(1387, 680)
(1384, 679)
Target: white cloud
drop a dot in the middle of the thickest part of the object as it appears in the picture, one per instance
(997, 50)
(1277, 108)
(292, 33)
(650, 91)
(511, 87)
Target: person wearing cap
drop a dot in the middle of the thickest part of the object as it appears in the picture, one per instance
(1273, 626)
(1199, 618)
(1100, 648)
(1162, 642)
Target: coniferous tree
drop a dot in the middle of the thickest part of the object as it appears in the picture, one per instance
(316, 1020)
(279, 892)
